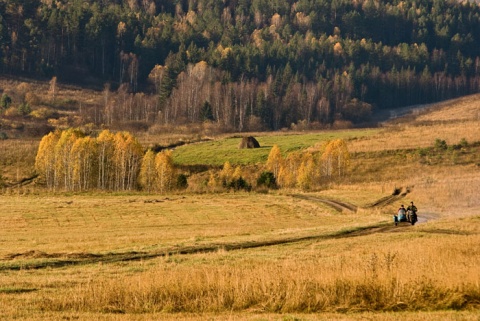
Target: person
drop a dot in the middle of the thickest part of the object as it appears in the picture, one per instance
(400, 217)
(412, 213)
(412, 208)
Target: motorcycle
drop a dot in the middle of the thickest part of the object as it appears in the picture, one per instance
(412, 217)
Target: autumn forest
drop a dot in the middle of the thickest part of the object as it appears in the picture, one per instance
(245, 65)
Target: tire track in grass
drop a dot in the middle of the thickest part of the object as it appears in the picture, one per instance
(42, 260)
(337, 205)
(60, 260)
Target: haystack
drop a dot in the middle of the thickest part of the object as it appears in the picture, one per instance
(249, 142)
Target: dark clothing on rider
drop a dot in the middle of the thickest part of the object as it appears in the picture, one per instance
(412, 208)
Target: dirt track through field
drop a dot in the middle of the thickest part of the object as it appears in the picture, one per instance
(59, 260)
(337, 205)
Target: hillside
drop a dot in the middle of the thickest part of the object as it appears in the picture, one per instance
(332, 252)
(245, 65)
(428, 140)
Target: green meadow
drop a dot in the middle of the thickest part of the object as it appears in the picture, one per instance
(216, 152)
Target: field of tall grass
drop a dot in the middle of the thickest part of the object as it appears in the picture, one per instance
(259, 256)
(123, 257)
(119, 257)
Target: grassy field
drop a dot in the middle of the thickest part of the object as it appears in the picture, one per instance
(217, 152)
(281, 255)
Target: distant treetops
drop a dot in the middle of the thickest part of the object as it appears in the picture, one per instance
(247, 65)
(70, 160)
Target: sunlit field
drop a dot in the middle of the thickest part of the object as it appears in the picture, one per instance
(276, 255)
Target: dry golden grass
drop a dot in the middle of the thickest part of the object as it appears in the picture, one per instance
(399, 279)
(115, 257)
(463, 109)
(428, 267)
(425, 268)
(109, 223)
(41, 89)
(451, 121)
(17, 158)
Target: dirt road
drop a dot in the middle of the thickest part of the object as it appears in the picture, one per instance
(44, 260)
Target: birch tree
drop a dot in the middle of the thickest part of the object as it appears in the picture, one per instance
(165, 171)
(226, 174)
(148, 174)
(126, 158)
(46, 159)
(84, 156)
(106, 169)
(64, 158)
(287, 176)
(306, 172)
(335, 159)
(275, 160)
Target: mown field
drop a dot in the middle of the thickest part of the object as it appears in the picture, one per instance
(276, 255)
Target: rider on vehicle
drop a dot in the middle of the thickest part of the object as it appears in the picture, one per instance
(400, 217)
(412, 208)
(412, 213)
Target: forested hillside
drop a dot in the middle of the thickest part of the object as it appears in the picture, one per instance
(247, 64)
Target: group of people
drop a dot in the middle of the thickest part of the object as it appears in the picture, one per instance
(408, 214)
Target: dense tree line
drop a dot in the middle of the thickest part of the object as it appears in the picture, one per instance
(312, 168)
(70, 160)
(249, 64)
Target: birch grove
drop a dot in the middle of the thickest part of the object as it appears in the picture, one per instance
(70, 161)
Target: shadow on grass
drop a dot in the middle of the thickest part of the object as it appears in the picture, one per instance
(16, 290)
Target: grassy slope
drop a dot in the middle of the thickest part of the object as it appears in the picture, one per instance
(217, 152)
(342, 276)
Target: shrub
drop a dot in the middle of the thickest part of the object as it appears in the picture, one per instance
(182, 181)
(267, 179)
(422, 152)
(356, 111)
(32, 99)
(239, 184)
(24, 109)
(12, 112)
(440, 144)
(463, 143)
(5, 101)
(44, 113)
